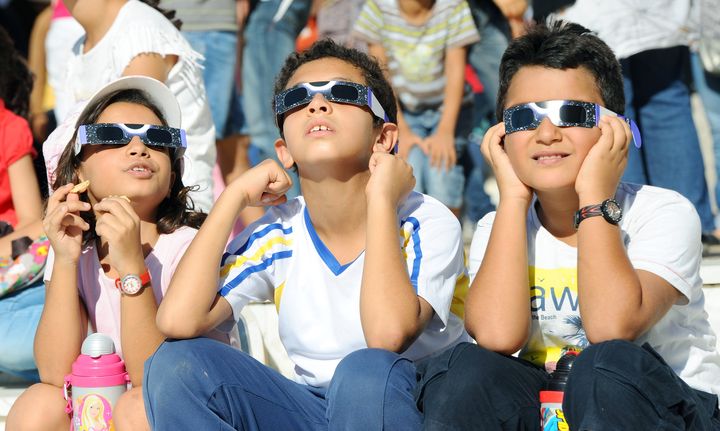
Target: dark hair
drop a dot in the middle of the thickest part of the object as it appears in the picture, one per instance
(15, 78)
(371, 71)
(168, 13)
(176, 210)
(564, 45)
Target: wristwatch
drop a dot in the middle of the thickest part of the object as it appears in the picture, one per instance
(131, 284)
(609, 209)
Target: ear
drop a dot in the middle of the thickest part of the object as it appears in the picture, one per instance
(386, 139)
(284, 154)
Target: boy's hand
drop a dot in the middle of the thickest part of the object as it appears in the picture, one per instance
(119, 225)
(406, 140)
(604, 164)
(391, 178)
(442, 150)
(63, 224)
(493, 149)
(264, 184)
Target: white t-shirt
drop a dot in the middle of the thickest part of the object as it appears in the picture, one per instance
(102, 298)
(137, 29)
(633, 26)
(280, 258)
(661, 232)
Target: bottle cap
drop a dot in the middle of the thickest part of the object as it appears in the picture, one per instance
(559, 377)
(96, 345)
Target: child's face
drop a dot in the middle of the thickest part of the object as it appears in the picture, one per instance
(134, 170)
(550, 157)
(325, 131)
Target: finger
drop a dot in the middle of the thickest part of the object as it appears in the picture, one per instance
(58, 196)
(452, 159)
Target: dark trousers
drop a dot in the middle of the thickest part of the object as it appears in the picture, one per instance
(616, 385)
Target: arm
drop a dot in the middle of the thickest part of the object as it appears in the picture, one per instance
(391, 313)
(497, 314)
(25, 192)
(442, 143)
(63, 323)
(36, 63)
(192, 306)
(616, 301)
(407, 139)
(152, 65)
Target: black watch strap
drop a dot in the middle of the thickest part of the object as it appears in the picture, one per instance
(609, 209)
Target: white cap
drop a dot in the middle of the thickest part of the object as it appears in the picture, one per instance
(159, 94)
(97, 344)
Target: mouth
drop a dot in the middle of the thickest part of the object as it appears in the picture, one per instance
(140, 170)
(548, 158)
(319, 129)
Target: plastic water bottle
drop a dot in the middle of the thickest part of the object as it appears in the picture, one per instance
(97, 380)
(552, 417)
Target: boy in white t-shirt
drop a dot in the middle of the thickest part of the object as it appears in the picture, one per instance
(366, 275)
(574, 260)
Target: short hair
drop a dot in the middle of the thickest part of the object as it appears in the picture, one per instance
(176, 210)
(564, 45)
(368, 66)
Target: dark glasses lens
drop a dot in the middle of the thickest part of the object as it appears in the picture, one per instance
(109, 133)
(345, 92)
(573, 114)
(522, 118)
(158, 136)
(295, 96)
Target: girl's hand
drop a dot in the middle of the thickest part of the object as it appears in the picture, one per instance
(63, 224)
(493, 149)
(442, 150)
(604, 164)
(264, 184)
(119, 225)
(390, 177)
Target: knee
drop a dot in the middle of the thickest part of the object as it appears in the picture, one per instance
(369, 369)
(174, 363)
(486, 367)
(40, 407)
(129, 412)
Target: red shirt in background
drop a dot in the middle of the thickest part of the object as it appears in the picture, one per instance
(15, 142)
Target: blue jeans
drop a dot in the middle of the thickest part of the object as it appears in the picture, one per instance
(267, 45)
(445, 186)
(658, 99)
(708, 88)
(201, 384)
(19, 317)
(220, 51)
(615, 385)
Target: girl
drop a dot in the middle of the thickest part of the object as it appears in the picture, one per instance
(115, 246)
(131, 37)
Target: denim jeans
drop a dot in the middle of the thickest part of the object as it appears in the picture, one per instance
(201, 384)
(445, 186)
(615, 385)
(19, 317)
(659, 101)
(484, 57)
(267, 45)
(708, 88)
(220, 50)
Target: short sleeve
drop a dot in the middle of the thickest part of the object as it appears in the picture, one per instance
(432, 244)
(369, 24)
(663, 237)
(479, 243)
(254, 260)
(461, 27)
(18, 140)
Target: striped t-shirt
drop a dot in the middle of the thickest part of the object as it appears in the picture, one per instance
(281, 258)
(416, 53)
(204, 15)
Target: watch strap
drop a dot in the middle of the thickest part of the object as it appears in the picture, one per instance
(586, 212)
(144, 279)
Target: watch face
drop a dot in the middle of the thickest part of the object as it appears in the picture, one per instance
(613, 211)
(131, 284)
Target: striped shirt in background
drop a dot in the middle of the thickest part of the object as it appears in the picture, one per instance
(204, 15)
(416, 53)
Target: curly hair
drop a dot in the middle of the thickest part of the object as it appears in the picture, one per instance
(16, 80)
(176, 210)
(371, 71)
(168, 13)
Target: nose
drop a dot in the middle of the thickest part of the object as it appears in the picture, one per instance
(547, 132)
(319, 104)
(136, 147)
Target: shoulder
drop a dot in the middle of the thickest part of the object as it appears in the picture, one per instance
(420, 205)
(278, 221)
(646, 200)
(425, 214)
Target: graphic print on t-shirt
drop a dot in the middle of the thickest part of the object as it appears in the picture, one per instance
(556, 323)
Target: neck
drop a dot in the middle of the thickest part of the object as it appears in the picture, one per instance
(96, 27)
(337, 207)
(556, 211)
(416, 11)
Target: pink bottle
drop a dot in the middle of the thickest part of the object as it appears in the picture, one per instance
(97, 380)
